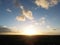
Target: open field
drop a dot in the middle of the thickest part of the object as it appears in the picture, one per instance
(32, 40)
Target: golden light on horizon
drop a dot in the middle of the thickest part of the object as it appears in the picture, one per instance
(30, 30)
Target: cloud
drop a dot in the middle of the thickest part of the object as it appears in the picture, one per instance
(14, 29)
(8, 10)
(52, 33)
(54, 2)
(22, 7)
(34, 22)
(42, 21)
(4, 29)
(27, 14)
(5, 26)
(20, 18)
(46, 3)
(9, 30)
(42, 3)
(48, 27)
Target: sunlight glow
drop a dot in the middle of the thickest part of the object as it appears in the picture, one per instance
(30, 30)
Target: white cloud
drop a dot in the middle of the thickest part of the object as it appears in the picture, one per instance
(8, 10)
(21, 7)
(42, 20)
(5, 26)
(20, 18)
(48, 27)
(46, 3)
(42, 3)
(27, 14)
(34, 22)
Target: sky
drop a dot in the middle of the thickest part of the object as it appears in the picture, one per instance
(44, 15)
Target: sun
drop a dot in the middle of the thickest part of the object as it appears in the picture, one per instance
(29, 30)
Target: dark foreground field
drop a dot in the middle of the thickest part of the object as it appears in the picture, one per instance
(29, 40)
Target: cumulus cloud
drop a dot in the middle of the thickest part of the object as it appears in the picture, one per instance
(46, 3)
(42, 3)
(8, 10)
(27, 14)
(20, 18)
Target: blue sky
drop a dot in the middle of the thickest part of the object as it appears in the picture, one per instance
(41, 13)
